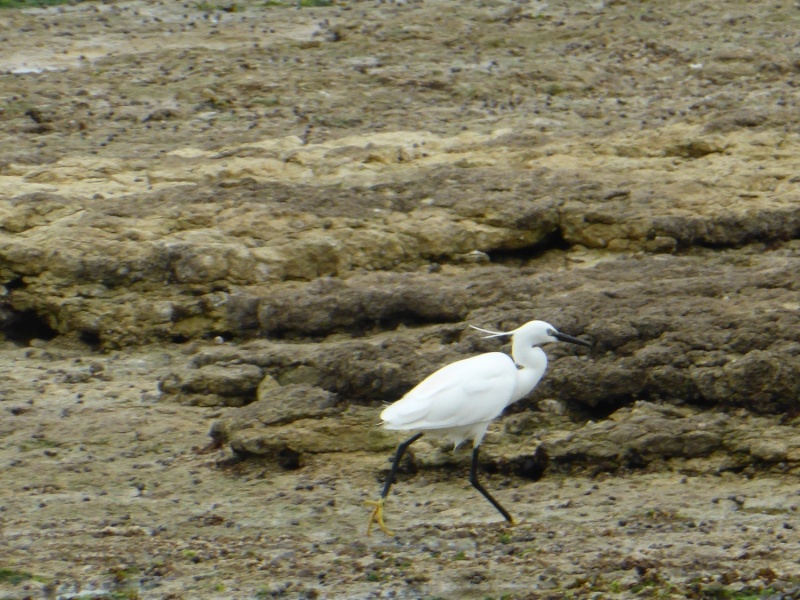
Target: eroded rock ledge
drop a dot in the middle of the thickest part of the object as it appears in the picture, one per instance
(205, 255)
(715, 330)
(643, 436)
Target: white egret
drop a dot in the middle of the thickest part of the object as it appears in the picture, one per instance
(458, 401)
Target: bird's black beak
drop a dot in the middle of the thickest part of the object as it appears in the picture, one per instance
(563, 337)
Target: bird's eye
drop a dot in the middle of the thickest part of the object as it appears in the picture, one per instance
(551, 332)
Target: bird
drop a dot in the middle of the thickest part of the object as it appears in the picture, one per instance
(458, 401)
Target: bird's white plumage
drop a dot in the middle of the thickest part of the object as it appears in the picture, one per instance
(466, 392)
(460, 400)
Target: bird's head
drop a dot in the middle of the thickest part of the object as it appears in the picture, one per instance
(535, 333)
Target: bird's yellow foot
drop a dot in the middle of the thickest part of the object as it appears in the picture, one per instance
(377, 516)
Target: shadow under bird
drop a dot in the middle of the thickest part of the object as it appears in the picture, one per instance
(458, 401)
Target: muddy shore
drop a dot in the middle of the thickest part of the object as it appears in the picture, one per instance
(229, 234)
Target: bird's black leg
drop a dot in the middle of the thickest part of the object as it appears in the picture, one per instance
(401, 450)
(377, 512)
(473, 479)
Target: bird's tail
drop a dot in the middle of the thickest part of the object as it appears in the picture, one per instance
(492, 333)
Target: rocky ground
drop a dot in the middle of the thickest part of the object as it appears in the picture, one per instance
(230, 232)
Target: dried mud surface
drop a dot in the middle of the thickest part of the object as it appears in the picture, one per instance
(204, 207)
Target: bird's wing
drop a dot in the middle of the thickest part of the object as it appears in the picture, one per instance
(469, 391)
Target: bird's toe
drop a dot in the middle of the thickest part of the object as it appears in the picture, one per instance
(377, 516)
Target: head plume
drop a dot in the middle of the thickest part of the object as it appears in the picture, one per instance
(492, 334)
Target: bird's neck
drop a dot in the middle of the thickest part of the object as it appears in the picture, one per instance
(533, 362)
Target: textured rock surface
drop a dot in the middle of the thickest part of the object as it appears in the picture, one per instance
(719, 328)
(637, 436)
(264, 222)
(132, 234)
